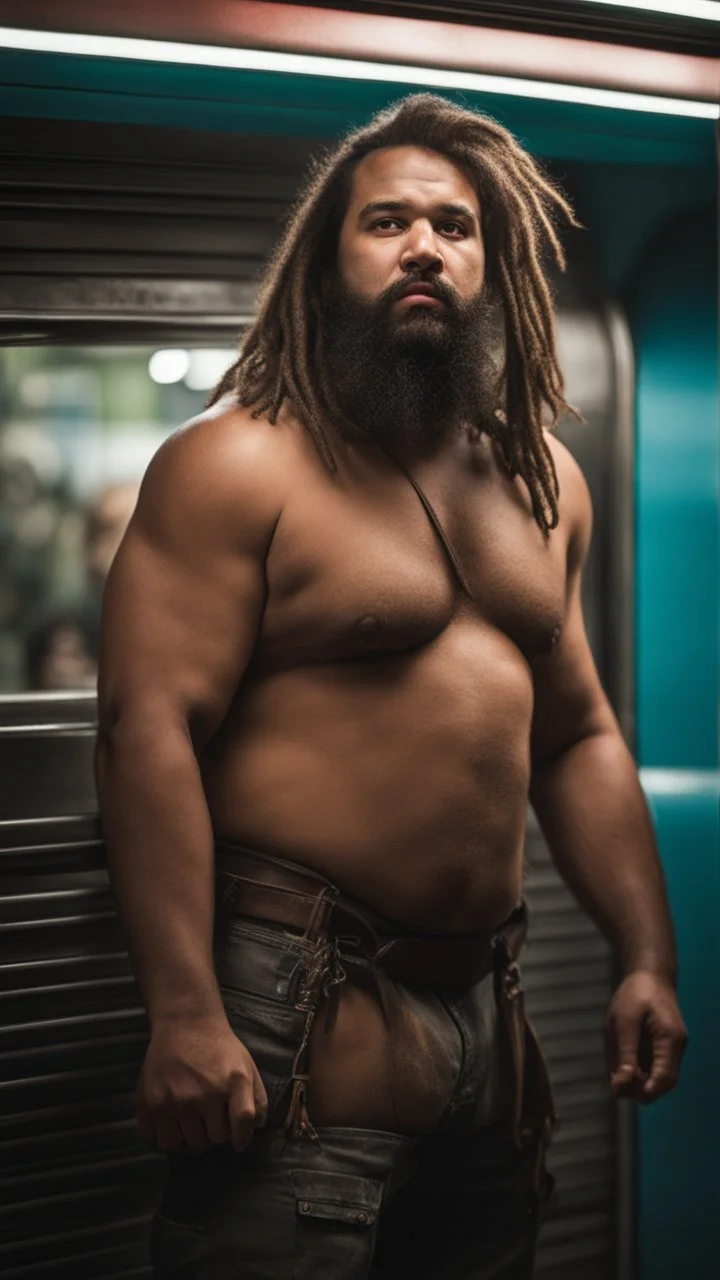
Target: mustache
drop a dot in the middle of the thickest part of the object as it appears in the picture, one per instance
(441, 289)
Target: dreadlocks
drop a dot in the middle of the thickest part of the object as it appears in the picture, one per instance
(282, 356)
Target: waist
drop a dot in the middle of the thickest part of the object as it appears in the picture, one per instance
(261, 886)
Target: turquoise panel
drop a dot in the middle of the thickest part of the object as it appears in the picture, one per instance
(116, 89)
(679, 1222)
(675, 330)
(626, 206)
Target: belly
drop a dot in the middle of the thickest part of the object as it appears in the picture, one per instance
(402, 779)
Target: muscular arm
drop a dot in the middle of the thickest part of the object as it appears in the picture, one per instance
(181, 613)
(585, 788)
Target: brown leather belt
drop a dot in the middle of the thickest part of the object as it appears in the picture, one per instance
(261, 886)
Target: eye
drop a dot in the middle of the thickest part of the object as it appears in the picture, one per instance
(385, 224)
(452, 228)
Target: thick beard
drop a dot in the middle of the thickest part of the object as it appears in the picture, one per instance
(407, 380)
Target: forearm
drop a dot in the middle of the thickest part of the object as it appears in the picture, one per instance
(593, 813)
(160, 859)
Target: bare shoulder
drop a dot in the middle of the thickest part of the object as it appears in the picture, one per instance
(574, 500)
(221, 470)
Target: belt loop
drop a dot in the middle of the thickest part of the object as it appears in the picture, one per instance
(318, 923)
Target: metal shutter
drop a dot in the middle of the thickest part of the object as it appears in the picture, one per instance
(103, 227)
(77, 1186)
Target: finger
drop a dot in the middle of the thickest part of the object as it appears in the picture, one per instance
(260, 1099)
(667, 1053)
(193, 1130)
(625, 1033)
(679, 1044)
(241, 1113)
(168, 1131)
(611, 1057)
(610, 1046)
(216, 1121)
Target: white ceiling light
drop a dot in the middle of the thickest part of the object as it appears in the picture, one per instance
(346, 69)
(708, 9)
(168, 366)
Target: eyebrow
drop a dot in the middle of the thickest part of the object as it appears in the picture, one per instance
(397, 206)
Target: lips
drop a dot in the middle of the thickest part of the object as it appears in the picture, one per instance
(420, 291)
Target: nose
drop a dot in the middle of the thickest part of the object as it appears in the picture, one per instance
(421, 251)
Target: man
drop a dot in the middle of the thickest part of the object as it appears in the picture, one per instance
(342, 645)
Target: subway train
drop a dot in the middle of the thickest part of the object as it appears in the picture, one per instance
(149, 156)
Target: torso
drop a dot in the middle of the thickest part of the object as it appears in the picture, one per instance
(381, 732)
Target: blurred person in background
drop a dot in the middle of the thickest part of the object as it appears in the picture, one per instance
(107, 518)
(342, 646)
(58, 654)
(61, 647)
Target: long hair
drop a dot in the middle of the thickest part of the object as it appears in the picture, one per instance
(282, 356)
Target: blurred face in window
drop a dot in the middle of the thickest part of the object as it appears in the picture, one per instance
(59, 657)
(107, 519)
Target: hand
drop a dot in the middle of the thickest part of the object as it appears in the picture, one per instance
(199, 1086)
(646, 1037)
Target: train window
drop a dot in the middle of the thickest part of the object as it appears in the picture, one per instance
(78, 426)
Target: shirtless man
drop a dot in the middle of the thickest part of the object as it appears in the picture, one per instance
(342, 646)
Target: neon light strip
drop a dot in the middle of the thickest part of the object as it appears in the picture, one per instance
(345, 69)
(681, 782)
(707, 9)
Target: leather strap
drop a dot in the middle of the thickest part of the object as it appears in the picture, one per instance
(264, 887)
(434, 520)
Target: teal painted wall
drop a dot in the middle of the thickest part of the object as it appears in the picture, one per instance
(631, 174)
(186, 97)
(674, 319)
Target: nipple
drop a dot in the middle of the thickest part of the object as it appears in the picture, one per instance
(553, 639)
(368, 629)
(547, 645)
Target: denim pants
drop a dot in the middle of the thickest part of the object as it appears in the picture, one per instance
(457, 1201)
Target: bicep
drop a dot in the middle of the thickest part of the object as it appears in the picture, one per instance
(570, 702)
(184, 598)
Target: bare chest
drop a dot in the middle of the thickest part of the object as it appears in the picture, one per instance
(360, 572)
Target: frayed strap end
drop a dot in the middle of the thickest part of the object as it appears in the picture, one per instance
(297, 1121)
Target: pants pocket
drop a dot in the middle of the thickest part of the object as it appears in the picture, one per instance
(178, 1241)
(261, 960)
(176, 1250)
(261, 969)
(272, 1037)
(336, 1224)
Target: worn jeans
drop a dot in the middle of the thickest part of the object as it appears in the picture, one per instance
(457, 1202)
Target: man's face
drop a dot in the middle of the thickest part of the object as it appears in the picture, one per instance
(406, 321)
(412, 216)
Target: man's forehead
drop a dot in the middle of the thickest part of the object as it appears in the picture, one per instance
(392, 171)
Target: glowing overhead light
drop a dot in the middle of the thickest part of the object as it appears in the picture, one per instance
(207, 366)
(346, 69)
(708, 9)
(169, 366)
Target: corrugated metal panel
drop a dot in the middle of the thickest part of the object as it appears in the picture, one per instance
(77, 1186)
(568, 976)
(130, 224)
